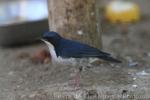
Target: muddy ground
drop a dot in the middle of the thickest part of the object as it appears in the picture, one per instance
(21, 79)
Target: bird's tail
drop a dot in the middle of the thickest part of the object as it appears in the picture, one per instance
(111, 59)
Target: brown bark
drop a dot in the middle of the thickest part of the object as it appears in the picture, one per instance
(75, 19)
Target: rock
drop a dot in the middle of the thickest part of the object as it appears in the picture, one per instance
(135, 86)
(134, 78)
(11, 73)
(133, 64)
(124, 92)
(142, 73)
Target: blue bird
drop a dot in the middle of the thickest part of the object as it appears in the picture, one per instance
(65, 48)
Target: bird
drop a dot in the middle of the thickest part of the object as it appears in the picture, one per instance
(61, 47)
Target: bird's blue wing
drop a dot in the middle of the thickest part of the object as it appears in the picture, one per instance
(78, 50)
(69, 48)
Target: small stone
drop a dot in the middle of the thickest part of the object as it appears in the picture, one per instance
(11, 73)
(134, 78)
(142, 73)
(80, 32)
(124, 92)
(18, 86)
(133, 64)
(135, 86)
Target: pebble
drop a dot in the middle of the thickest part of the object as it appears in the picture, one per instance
(18, 86)
(142, 73)
(11, 73)
(124, 92)
(134, 78)
(80, 32)
(135, 86)
(133, 64)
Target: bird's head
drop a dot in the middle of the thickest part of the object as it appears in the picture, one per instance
(51, 37)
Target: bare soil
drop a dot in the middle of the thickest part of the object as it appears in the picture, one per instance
(21, 79)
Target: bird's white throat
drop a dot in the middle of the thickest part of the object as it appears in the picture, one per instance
(52, 51)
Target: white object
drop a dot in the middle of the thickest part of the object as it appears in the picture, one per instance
(142, 73)
(121, 6)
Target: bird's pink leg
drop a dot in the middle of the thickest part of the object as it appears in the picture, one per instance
(77, 80)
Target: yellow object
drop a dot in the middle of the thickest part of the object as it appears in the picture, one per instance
(122, 12)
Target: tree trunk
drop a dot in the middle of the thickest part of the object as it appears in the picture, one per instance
(75, 19)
